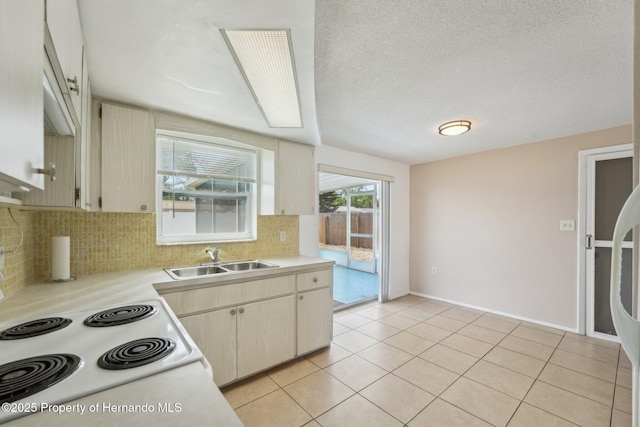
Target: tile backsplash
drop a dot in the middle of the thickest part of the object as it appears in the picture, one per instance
(105, 242)
(18, 258)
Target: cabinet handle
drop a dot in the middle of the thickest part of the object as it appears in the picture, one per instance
(75, 88)
(233, 312)
(241, 310)
(315, 280)
(51, 171)
(301, 297)
(282, 211)
(143, 207)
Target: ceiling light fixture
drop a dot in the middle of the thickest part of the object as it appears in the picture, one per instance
(265, 59)
(457, 127)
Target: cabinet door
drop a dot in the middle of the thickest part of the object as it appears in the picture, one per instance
(265, 334)
(315, 319)
(83, 169)
(63, 22)
(295, 187)
(215, 334)
(21, 100)
(128, 160)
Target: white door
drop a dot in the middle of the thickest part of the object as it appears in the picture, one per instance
(609, 181)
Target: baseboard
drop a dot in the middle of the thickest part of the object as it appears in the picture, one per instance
(500, 313)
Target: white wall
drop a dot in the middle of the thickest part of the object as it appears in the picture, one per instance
(399, 227)
(489, 223)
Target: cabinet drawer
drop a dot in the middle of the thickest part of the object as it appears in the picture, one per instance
(315, 279)
(225, 295)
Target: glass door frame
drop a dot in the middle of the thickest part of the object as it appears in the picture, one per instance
(586, 235)
(374, 231)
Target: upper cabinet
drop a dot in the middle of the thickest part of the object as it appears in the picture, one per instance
(63, 22)
(21, 102)
(295, 179)
(67, 102)
(128, 159)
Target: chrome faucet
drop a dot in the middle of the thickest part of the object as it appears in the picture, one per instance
(213, 254)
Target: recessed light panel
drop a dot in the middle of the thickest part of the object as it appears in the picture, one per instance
(265, 58)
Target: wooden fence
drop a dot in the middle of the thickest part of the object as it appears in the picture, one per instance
(333, 229)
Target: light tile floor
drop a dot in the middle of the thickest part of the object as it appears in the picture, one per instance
(418, 362)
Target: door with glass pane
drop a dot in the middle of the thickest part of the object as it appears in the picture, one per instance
(609, 183)
(361, 230)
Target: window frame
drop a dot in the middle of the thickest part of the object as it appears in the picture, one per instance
(252, 198)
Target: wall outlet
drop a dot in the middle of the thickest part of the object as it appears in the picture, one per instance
(1, 257)
(567, 225)
(283, 236)
(434, 270)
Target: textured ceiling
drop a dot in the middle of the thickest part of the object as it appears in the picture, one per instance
(379, 76)
(388, 73)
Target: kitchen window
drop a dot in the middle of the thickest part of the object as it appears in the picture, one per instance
(206, 189)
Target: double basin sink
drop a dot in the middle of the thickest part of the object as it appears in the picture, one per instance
(218, 268)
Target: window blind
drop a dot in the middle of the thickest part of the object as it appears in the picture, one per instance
(205, 160)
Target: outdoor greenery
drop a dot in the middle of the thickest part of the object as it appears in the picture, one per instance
(331, 201)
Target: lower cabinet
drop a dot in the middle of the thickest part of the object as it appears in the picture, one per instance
(315, 320)
(266, 334)
(215, 334)
(246, 327)
(242, 340)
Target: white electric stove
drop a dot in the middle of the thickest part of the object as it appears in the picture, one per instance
(64, 356)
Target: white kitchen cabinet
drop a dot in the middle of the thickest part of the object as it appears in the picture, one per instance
(248, 326)
(314, 310)
(63, 22)
(128, 159)
(83, 151)
(215, 334)
(315, 320)
(241, 328)
(266, 334)
(295, 179)
(21, 102)
(241, 340)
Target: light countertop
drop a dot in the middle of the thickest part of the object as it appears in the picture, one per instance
(188, 390)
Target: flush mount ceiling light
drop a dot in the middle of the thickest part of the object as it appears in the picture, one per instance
(457, 127)
(265, 59)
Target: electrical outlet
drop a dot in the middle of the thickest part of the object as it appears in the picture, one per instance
(283, 236)
(1, 257)
(567, 225)
(434, 270)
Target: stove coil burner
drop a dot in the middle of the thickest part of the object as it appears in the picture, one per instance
(25, 377)
(34, 328)
(136, 353)
(120, 315)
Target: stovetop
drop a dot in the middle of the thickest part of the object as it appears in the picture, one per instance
(83, 346)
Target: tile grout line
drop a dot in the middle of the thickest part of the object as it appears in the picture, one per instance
(531, 386)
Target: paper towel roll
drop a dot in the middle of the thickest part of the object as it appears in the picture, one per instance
(60, 258)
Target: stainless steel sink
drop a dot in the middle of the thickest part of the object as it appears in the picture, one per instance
(184, 272)
(246, 265)
(208, 270)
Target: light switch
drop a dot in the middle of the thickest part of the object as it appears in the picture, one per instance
(567, 225)
(283, 236)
